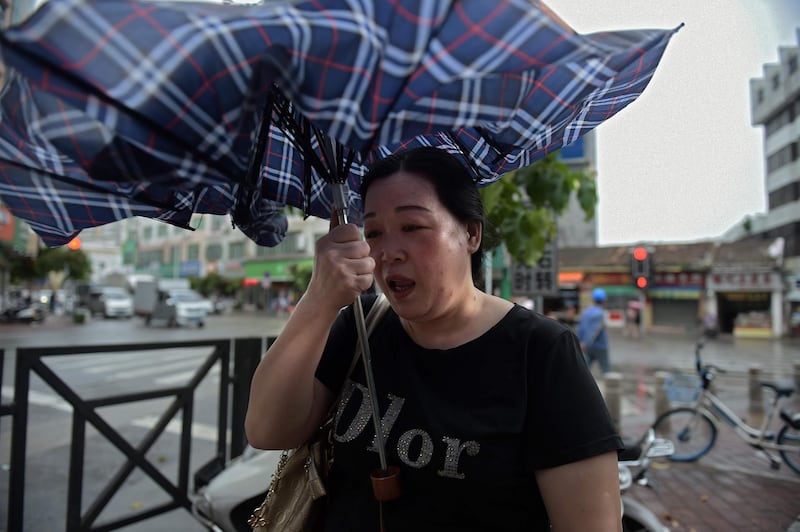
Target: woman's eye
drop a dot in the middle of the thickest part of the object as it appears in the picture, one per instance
(410, 227)
(371, 234)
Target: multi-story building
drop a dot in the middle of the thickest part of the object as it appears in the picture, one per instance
(215, 246)
(775, 105)
(573, 228)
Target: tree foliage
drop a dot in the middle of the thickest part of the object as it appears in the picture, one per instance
(523, 205)
(302, 276)
(215, 284)
(73, 262)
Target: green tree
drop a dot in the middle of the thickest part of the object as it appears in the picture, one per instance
(523, 205)
(302, 276)
(74, 263)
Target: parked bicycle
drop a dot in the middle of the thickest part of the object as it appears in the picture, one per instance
(693, 429)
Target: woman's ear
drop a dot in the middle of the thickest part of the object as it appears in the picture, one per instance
(474, 235)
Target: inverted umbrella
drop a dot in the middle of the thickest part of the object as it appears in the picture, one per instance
(176, 92)
(49, 146)
(284, 99)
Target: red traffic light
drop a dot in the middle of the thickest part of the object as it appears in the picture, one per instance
(641, 282)
(640, 253)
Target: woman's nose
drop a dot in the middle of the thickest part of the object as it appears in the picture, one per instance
(389, 251)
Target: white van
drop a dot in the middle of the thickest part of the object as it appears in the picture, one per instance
(110, 302)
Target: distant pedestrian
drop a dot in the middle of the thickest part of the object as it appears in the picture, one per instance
(632, 321)
(592, 332)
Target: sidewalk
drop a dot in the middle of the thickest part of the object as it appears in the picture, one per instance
(731, 488)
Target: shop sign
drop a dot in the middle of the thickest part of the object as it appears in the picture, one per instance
(753, 282)
(190, 268)
(539, 280)
(694, 279)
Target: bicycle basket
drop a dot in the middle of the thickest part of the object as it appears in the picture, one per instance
(682, 388)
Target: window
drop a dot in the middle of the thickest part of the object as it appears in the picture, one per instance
(193, 252)
(149, 258)
(776, 82)
(236, 250)
(216, 222)
(147, 233)
(793, 64)
(214, 252)
(760, 96)
(289, 245)
(162, 230)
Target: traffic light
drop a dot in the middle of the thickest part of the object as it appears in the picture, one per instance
(641, 267)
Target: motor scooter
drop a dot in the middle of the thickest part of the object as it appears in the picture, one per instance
(229, 498)
(226, 502)
(634, 463)
(23, 313)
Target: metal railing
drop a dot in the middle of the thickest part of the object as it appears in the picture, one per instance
(237, 359)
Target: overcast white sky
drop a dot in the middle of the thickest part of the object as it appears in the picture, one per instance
(683, 162)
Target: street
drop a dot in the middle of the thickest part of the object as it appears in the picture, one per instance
(94, 375)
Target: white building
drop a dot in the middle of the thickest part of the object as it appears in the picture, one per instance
(775, 105)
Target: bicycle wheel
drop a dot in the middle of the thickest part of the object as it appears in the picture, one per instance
(693, 433)
(790, 437)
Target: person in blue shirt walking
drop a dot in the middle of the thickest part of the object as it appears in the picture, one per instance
(592, 332)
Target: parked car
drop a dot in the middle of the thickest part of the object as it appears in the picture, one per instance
(110, 302)
(170, 302)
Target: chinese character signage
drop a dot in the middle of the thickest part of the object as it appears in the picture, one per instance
(540, 280)
(757, 281)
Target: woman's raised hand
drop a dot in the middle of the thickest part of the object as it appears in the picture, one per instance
(342, 267)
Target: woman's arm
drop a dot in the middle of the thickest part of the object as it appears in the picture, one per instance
(287, 402)
(583, 495)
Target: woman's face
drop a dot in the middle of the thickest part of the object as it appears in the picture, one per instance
(422, 253)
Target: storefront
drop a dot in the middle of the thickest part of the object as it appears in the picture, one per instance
(793, 304)
(748, 304)
(675, 299)
(269, 284)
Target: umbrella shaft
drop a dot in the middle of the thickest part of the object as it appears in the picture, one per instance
(340, 204)
(361, 326)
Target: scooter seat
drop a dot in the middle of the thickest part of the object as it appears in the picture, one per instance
(632, 450)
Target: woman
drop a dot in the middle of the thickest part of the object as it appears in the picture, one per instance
(488, 408)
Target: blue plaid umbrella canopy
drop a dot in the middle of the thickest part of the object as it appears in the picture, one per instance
(124, 108)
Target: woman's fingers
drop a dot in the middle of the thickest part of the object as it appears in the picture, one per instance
(343, 267)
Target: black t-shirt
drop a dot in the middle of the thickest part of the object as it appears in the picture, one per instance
(468, 426)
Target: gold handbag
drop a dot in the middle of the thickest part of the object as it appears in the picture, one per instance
(297, 488)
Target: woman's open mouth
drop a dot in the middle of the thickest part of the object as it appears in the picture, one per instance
(400, 286)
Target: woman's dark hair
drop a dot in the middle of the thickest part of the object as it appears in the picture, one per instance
(453, 182)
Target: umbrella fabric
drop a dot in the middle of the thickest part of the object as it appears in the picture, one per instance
(48, 187)
(175, 93)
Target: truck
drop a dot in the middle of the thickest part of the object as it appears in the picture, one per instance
(170, 302)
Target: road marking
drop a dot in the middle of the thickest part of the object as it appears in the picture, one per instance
(158, 369)
(184, 376)
(146, 358)
(40, 399)
(199, 430)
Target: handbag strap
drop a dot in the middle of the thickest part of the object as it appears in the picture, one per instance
(376, 312)
(374, 316)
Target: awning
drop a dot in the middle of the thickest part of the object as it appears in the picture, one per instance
(569, 278)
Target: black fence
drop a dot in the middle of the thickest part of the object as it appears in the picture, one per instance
(237, 359)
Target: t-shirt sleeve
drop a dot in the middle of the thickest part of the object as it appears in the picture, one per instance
(567, 416)
(340, 347)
